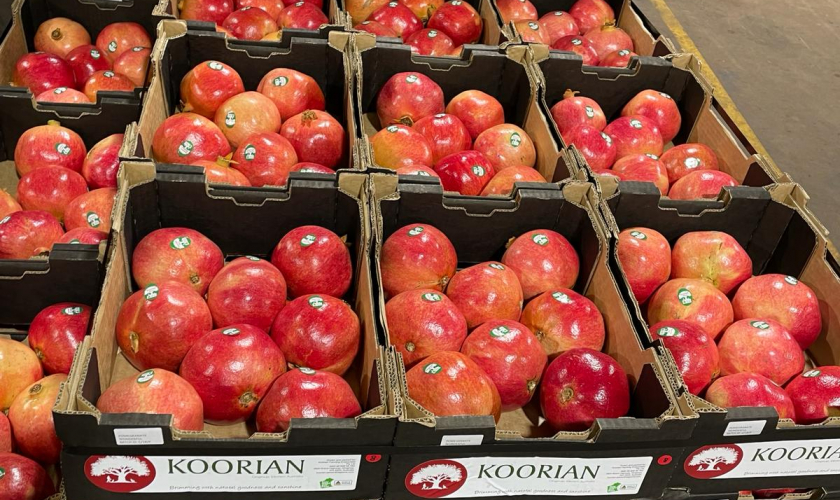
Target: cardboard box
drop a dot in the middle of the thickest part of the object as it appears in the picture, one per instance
(27, 16)
(703, 119)
(815, 494)
(780, 238)
(479, 228)
(647, 40)
(503, 74)
(242, 221)
(332, 8)
(323, 55)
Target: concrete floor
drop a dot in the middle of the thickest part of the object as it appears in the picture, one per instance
(780, 63)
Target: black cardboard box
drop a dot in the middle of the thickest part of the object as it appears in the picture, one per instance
(703, 119)
(643, 445)
(242, 221)
(503, 74)
(780, 238)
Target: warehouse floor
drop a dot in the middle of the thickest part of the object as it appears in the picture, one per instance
(779, 62)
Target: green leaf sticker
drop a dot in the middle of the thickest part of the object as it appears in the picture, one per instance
(215, 65)
(811, 374)
(280, 81)
(431, 297)
(499, 331)
(180, 243)
(416, 230)
(306, 371)
(326, 483)
(667, 331)
(230, 332)
(230, 119)
(432, 368)
(316, 302)
(2, 472)
(685, 297)
(761, 325)
(478, 170)
(497, 266)
(561, 297)
(409, 78)
(612, 488)
(250, 152)
(590, 111)
(112, 46)
(540, 239)
(576, 41)
(62, 148)
(308, 240)
(638, 235)
(108, 74)
(515, 139)
(534, 26)
(635, 123)
(431, 33)
(790, 280)
(691, 162)
(145, 376)
(151, 292)
(93, 219)
(185, 148)
(71, 311)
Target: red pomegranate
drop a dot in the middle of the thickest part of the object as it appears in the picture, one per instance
(574, 110)
(423, 322)
(85, 61)
(107, 81)
(375, 28)
(56, 332)
(32, 420)
(701, 184)
(117, 38)
(83, 236)
(24, 478)
(531, 32)
(591, 14)
(607, 39)
(687, 158)
(220, 172)
(50, 189)
(597, 148)
(205, 87)
(28, 233)
(643, 168)
(179, 254)
(516, 10)
(62, 94)
(417, 256)
(214, 11)
(408, 97)
(449, 383)
(313, 260)
(580, 46)
(316, 136)
(246, 114)
(502, 183)
(618, 59)
(134, 65)
(459, 20)
(506, 146)
(635, 135)
(40, 71)
(188, 138)
(399, 18)
(250, 23)
(445, 133)
(397, 146)
(563, 319)
(486, 291)
(265, 159)
(467, 172)
(543, 260)
(291, 91)
(273, 7)
(659, 108)
(429, 42)
(60, 36)
(693, 349)
(49, 145)
(103, 162)
(20, 369)
(247, 290)
(478, 111)
(302, 15)
(559, 24)
(91, 210)
(645, 258)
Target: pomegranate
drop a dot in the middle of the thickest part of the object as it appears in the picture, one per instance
(23, 478)
(103, 162)
(713, 256)
(467, 172)
(597, 148)
(316, 136)
(376, 28)
(692, 300)
(9, 205)
(815, 394)
(313, 259)
(760, 346)
(750, 389)
(643, 168)
(607, 39)
(220, 172)
(485, 292)
(91, 210)
(511, 356)
(302, 15)
(575, 110)
(450, 383)
(60, 36)
(318, 331)
(559, 24)
(5, 434)
(430, 42)
(563, 319)
(209, 84)
(246, 114)
(305, 393)
(701, 184)
(214, 11)
(20, 369)
(32, 420)
(188, 138)
(417, 170)
(62, 94)
(591, 14)
(117, 38)
(693, 349)
(265, 159)
(634, 135)
(311, 168)
(360, 10)
(417, 256)
(250, 23)
(423, 9)
(422, 322)
(459, 20)
(50, 189)
(399, 18)
(291, 91)
(659, 108)
(83, 236)
(516, 10)
(40, 71)
(159, 392)
(502, 183)
(531, 31)
(580, 46)
(543, 260)
(618, 59)
(176, 253)
(445, 133)
(580, 386)
(272, 7)
(506, 146)
(476, 110)
(28, 233)
(85, 60)
(398, 146)
(784, 299)
(107, 81)
(687, 158)
(247, 290)
(645, 258)
(134, 64)
(407, 97)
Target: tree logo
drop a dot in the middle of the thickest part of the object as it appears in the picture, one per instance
(432, 369)
(684, 296)
(534, 26)
(280, 81)
(62, 148)
(71, 311)
(316, 301)
(180, 243)
(499, 331)
(478, 170)
(561, 297)
(515, 139)
(638, 235)
(112, 46)
(410, 78)
(415, 231)
(185, 148)
(540, 239)
(711, 461)
(120, 474)
(431, 297)
(761, 325)
(811, 374)
(667, 331)
(436, 478)
(93, 219)
(250, 152)
(215, 65)
(230, 119)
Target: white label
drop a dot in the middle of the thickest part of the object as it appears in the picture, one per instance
(241, 474)
(465, 440)
(745, 428)
(139, 437)
(818, 457)
(513, 476)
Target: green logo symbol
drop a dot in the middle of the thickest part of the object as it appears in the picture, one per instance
(812, 374)
(327, 483)
(308, 240)
(761, 325)
(409, 78)
(230, 331)
(112, 47)
(108, 74)
(691, 162)
(306, 371)
(432, 368)
(497, 266)
(540, 239)
(790, 280)
(94, 53)
(180, 243)
(499, 331)
(415, 231)
(230, 119)
(93, 219)
(145, 376)
(684, 296)
(71, 311)
(561, 297)
(515, 139)
(2, 472)
(432, 33)
(635, 124)
(250, 152)
(215, 65)
(62, 148)
(392, 128)
(534, 26)
(590, 111)
(185, 148)
(613, 487)
(478, 170)
(151, 292)
(280, 81)
(667, 331)
(576, 41)
(638, 235)
(60, 90)
(431, 297)
(316, 302)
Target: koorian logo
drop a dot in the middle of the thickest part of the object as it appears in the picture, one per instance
(435, 478)
(118, 473)
(713, 460)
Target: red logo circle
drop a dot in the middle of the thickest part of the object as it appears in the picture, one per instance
(435, 478)
(373, 458)
(119, 473)
(664, 460)
(713, 460)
